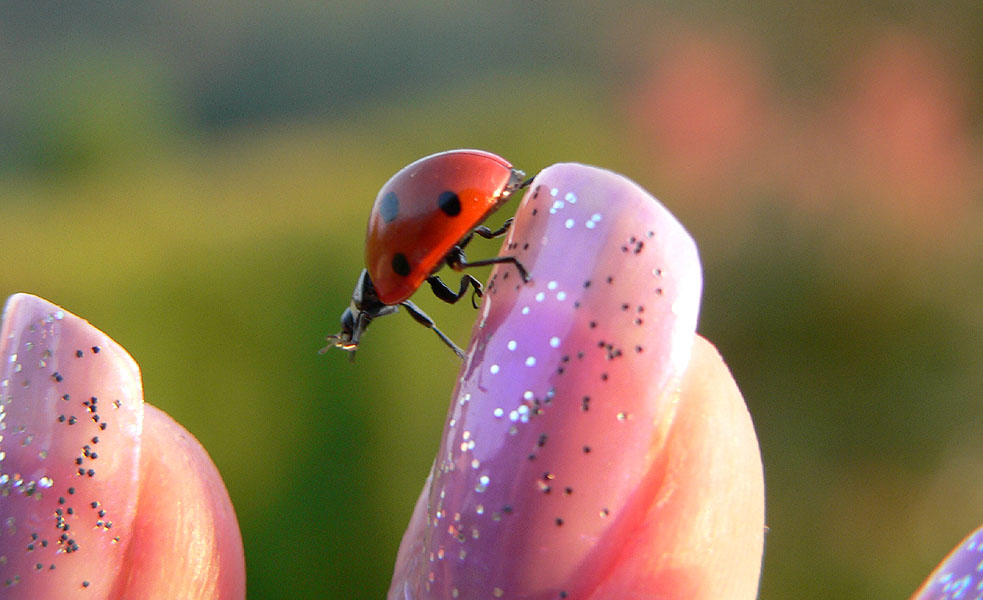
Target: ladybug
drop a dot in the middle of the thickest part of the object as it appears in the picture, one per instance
(422, 219)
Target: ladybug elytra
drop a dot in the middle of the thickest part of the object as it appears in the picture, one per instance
(422, 219)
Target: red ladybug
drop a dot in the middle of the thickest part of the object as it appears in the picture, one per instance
(421, 220)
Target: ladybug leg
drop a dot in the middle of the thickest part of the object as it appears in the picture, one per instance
(455, 258)
(443, 292)
(488, 233)
(458, 262)
(421, 317)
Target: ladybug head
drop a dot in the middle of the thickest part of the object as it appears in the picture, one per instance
(364, 307)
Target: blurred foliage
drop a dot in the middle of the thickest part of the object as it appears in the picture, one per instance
(194, 179)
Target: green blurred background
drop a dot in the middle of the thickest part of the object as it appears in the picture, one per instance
(194, 179)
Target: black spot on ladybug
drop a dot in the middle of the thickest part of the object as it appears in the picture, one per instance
(449, 203)
(400, 265)
(389, 208)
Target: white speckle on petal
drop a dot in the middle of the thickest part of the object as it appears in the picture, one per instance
(511, 345)
(493, 369)
(555, 341)
(530, 361)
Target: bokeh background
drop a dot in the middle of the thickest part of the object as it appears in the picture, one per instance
(194, 178)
